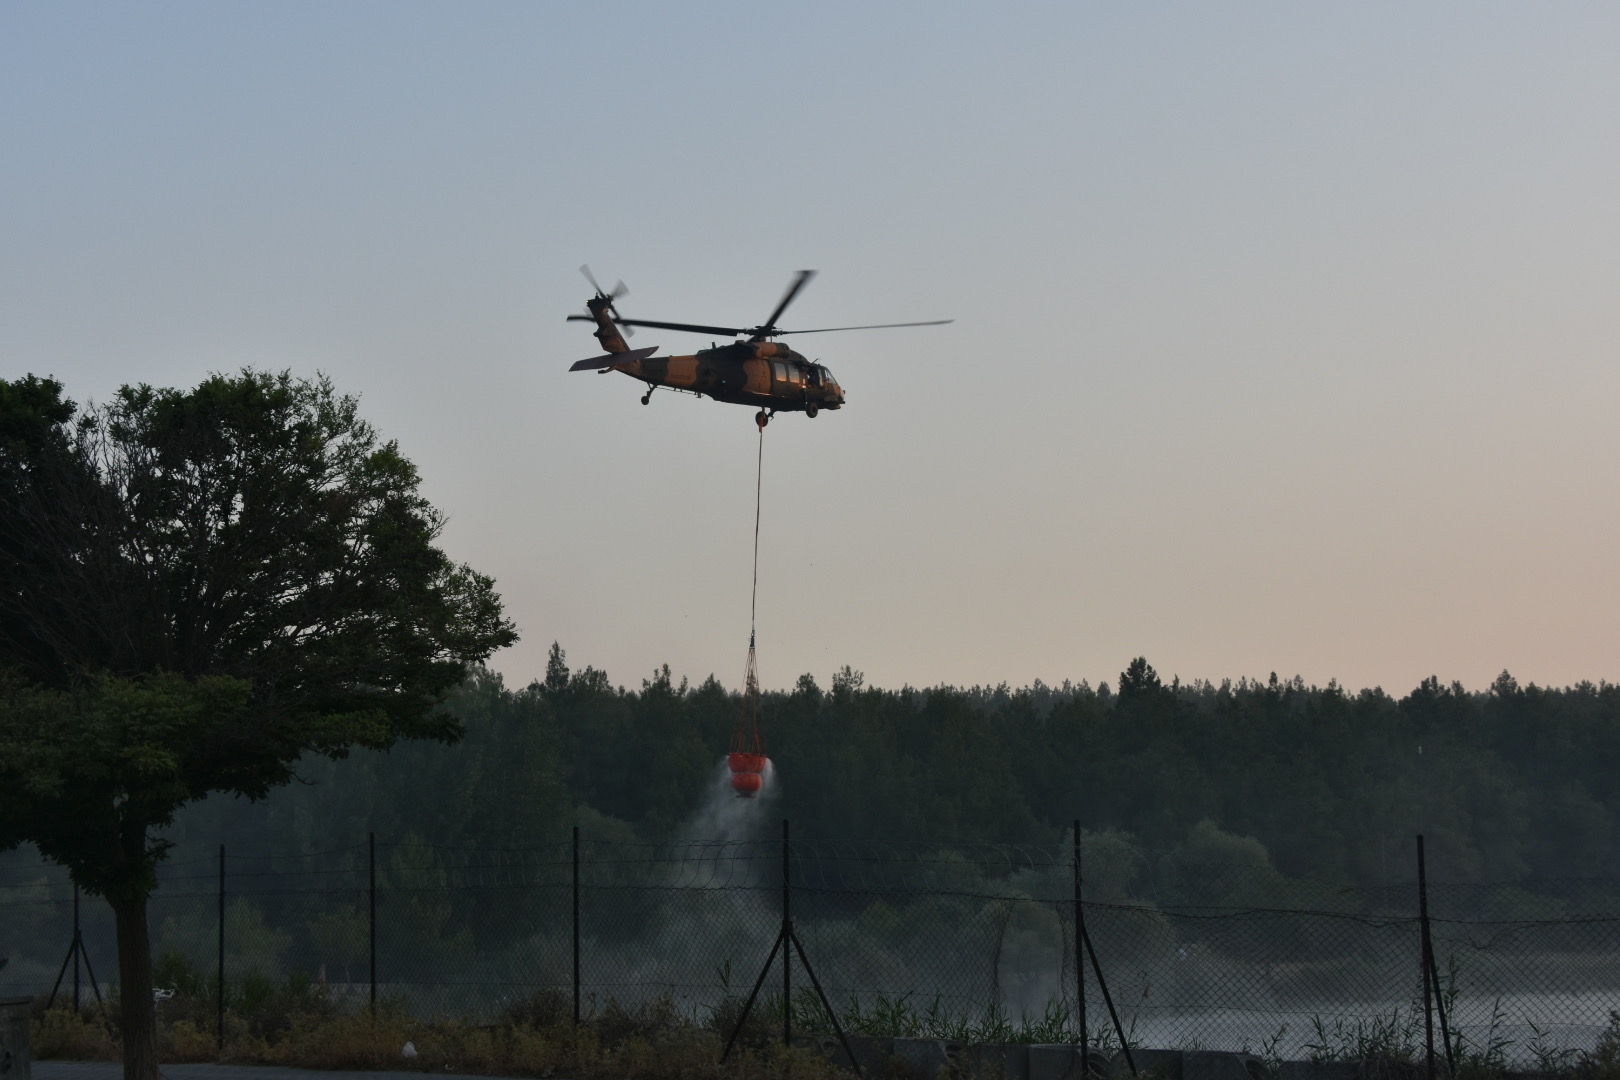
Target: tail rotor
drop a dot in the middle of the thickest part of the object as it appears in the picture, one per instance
(618, 290)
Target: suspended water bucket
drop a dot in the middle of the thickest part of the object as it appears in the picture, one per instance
(747, 773)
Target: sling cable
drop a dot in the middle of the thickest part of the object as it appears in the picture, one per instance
(747, 759)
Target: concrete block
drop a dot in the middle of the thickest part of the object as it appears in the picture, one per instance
(15, 1060)
(1054, 1061)
(923, 1059)
(1320, 1070)
(1222, 1065)
(994, 1061)
(1061, 1061)
(1161, 1064)
(871, 1052)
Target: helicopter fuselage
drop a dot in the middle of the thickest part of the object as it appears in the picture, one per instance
(766, 374)
(756, 371)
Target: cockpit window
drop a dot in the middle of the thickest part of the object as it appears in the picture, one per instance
(827, 378)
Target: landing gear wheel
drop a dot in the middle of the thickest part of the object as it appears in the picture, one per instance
(810, 411)
(761, 419)
(646, 397)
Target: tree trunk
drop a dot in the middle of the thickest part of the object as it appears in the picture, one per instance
(135, 989)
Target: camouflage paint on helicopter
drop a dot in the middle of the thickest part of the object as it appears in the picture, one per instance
(756, 372)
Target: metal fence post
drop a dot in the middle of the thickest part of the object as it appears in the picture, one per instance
(787, 931)
(1079, 957)
(1423, 961)
(76, 939)
(75, 955)
(576, 926)
(1430, 967)
(219, 972)
(371, 852)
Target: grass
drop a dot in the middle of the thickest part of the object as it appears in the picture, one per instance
(615, 1043)
(654, 1040)
(296, 1022)
(903, 1016)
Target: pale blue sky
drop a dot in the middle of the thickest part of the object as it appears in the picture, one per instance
(1286, 334)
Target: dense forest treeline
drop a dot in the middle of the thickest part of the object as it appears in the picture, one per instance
(1510, 783)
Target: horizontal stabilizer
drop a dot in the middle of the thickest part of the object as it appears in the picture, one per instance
(613, 359)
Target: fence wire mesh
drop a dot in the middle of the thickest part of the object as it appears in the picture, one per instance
(975, 942)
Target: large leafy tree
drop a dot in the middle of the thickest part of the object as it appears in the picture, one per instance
(196, 590)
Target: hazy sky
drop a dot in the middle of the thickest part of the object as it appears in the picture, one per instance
(1286, 334)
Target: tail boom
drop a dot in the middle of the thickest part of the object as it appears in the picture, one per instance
(613, 359)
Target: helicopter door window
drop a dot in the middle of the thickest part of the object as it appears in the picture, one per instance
(780, 370)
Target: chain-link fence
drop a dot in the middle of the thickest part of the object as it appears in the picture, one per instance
(975, 942)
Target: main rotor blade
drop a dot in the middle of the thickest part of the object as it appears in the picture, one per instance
(787, 298)
(830, 329)
(695, 328)
(616, 321)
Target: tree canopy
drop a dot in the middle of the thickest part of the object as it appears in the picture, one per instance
(1513, 783)
(197, 590)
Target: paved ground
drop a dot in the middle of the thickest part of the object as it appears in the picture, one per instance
(113, 1070)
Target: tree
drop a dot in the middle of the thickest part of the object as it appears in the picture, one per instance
(1139, 682)
(556, 670)
(197, 589)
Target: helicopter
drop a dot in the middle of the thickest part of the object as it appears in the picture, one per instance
(757, 371)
